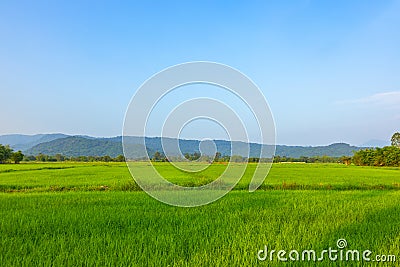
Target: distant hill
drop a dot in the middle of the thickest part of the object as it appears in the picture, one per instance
(24, 142)
(333, 150)
(224, 147)
(90, 146)
(75, 146)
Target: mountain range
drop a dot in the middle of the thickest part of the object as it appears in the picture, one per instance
(67, 145)
(24, 142)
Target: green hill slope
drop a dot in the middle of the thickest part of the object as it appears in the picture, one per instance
(89, 146)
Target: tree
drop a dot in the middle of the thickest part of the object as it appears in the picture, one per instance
(345, 160)
(29, 158)
(41, 157)
(5, 153)
(157, 156)
(120, 158)
(396, 139)
(59, 157)
(17, 157)
(105, 158)
(237, 158)
(196, 156)
(217, 156)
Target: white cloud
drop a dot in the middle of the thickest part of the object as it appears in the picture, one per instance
(386, 99)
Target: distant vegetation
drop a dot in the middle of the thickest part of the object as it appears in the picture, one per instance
(24, 142)
(61, 158)
(387, 156)
(84, 149)
(74, 146)
(7, 155)
(159, 157)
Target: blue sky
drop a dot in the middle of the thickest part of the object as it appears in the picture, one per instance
(329, 69)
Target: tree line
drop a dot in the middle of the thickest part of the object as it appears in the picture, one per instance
(196, 156)
(61, 158)
(7, 155)
(316, 159)
(160, 157)
(386, 156)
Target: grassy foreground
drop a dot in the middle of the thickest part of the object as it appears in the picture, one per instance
(56, 214)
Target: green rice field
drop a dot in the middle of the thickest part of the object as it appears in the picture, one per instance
(93, 214)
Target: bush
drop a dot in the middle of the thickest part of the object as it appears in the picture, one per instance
(387, 156)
